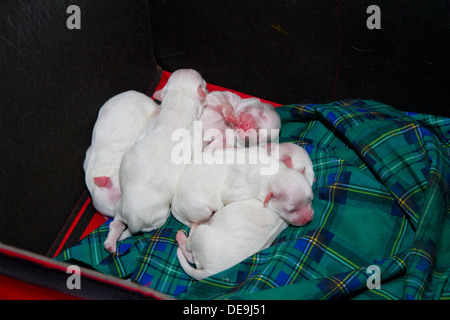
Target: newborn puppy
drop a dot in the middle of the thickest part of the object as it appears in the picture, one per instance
(119, 122)
(205, 188)
(294, 157)
(251, 121)
(258, 123)
(234, 233)
(148, 174)
(218, 116)
(223, 103)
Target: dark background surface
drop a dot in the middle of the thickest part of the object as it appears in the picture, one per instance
(312, 51)
(54, 80)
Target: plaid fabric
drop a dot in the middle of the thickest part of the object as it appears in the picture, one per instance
(381, 199)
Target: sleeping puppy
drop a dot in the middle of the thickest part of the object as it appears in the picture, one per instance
(249, 121)
(234, 233)
(148, 174)
(219, 111)
(294, 157)
(218, 119)
(258, 123)
(222, 179)
(119, 122)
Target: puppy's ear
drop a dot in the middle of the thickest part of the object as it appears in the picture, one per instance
(103, 182)
(268, 197)
(201, 93)
(287, 160)
(159, 95)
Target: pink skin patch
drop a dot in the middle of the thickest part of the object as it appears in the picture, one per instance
(226, 110)
(201, 93)
(268, 197)
(103, 182)
(303, 216)
(231, 120)
(246, 122)
(181, 237)
(287, 161)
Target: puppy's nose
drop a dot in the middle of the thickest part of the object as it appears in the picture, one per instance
(309, 215)
(304, 217)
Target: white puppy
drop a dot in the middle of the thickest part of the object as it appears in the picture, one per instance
(148, 174)
(258, 123)
(119, 122)
(294, 157)
(205, 188)
(219, 111)
(234, 233)
(250, 122)
(217, 117)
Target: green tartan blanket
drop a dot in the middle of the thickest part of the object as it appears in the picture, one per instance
(382, 217)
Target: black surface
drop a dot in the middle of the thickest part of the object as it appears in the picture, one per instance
(312, 51)
(52, 82)
(74, 227)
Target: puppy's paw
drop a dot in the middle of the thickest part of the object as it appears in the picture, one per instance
(110, 246)
(181, 237)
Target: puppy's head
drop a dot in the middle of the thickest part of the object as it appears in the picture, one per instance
(290, 195)
(258, 120)
(187, 80)
(294, 157)
(216, 100)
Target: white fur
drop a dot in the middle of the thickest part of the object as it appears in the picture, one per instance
(219, 105)
(119, 122)
(223, 102)
(299, 157)
(148, 176)
(266, 123)
(234, 233)
(220, 180)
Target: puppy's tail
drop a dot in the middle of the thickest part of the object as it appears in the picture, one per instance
(197, 274)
